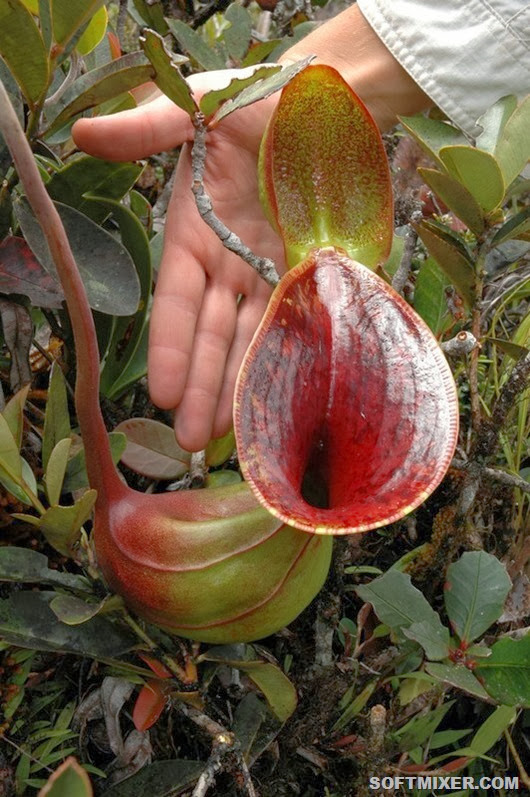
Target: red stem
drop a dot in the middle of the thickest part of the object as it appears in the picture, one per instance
(102, 474)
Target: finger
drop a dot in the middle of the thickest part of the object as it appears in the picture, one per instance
(214, 334)
(250, 313)
(158, 125)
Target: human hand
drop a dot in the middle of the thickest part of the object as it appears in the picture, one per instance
(207, 301)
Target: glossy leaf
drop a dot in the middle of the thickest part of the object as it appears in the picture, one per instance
(493, 122)
(430, 299)
(450, 258)
(167, 76)
(29, 64)
(194, 45)
(432, 134)
(513, 148)
(161, 778)
(220, 449)
(478, 171)
(26, 566)
(68, 780)
(69, 16)
(328, 182)
(86, 175)
(99, 85)
(27, 621)
(261, 89)
(152, 449)
(21, 272)
(93, 33)
(56, 418)
(342, 370)
(115, 290)
(212, 100)
(476, 588)
(506, 673)
(149, 705)
(457, 198)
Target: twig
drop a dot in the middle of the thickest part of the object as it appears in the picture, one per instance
(497, 475)
(263, 265)
(198, 468)
(208, 11)
(402, 274)
(523, 774)
(121, 22)
(71, 75)
(460, 345)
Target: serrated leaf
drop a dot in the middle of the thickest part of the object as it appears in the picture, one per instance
(56, 469)
(430, 299)
(27, 621)
(493, 122)
(61, 525)
(21, 272)
(456, 675)
(213, 100)
(457, 198)
(261, 90)
(56, 418)
(450, 259)
(98, 86)
(27, 566)
(114, 291)
(432, 134)
(86, 175)
(29, 64)
(397, 603)
(432, 636)
(152, 449)
(194, 45)
(476, 588)
(168, 77)
(478, 172)
(513, 148)
(506, 673)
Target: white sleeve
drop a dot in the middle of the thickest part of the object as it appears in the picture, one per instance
(464, 54)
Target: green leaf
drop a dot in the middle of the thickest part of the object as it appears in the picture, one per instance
(220, 449)
(397, 603)
(513, 149)
(506, 673)
(27, 621)
(493, 122)
(194, 45)
(13, 414)
(457, 198)
(275, 685)
(86, 175)
(476, 588)
(432, 134)
(259, 52)
(162, 778)
(450, 258)
(28, 63)
(125, 347)
(56, 469)
(69, 16)
(354, 708)
(420, 728)
(27, 566)
(76, 477)
(152, 14)
(512, 228)
(115, 290)
(168, 76)
(478, 171)
(56, 418)
(152, 449)
(69, 780)
(238, 36)
(61, 525)
(99, 85)
(432, 636)
(457, 675)
(430, 299)
(10, 459)
(492, 729)
(93, 33)
(262, 89)
(212, 100)
(73, 611)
